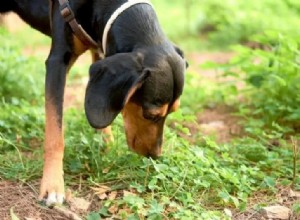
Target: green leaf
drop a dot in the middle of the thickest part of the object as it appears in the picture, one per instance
(133, 217)
(152, 185)
(296, 207)
(279, 79)
(93, 216)
(155, 208)
(256, 80)
(134, 201)
(160, 167)
(224, 195)
(270, 181)
(235, 201)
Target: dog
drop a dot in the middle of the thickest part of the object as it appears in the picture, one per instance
(141, 76)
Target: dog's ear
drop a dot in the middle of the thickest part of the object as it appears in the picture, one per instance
(113, 81)
(181, 53)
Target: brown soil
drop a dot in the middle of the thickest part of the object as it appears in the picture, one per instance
(20, 199)
(196, 59)
(221, 123)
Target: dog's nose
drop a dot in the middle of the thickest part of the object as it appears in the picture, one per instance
(150, 152)
(154, 156)
(155, 152)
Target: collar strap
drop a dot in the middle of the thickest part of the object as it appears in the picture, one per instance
(115, 15)
(77, 29)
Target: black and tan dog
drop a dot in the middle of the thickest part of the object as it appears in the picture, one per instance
(142, 76)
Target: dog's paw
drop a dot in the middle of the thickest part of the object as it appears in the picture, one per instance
(52, 191)
(52, 198)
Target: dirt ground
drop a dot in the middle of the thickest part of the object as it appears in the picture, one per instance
(19, 199)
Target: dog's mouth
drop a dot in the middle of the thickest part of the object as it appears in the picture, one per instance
(152, 151)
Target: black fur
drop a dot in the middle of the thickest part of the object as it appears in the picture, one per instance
(110, 81)
(33, 12)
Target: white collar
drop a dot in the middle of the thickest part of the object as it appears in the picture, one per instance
(115, 15)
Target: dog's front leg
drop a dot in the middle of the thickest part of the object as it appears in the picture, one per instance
(59, 61)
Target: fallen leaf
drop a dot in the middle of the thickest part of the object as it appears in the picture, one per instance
(103, 196)
(106, 170)
(127, 193)
(99, 190)
(113, 209)
(79, 204)
(113, 195)
(294, 194)
(68, 195)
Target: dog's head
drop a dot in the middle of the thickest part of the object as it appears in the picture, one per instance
(145, 86)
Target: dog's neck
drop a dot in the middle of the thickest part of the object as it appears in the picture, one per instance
(115, 15)
(136, 27)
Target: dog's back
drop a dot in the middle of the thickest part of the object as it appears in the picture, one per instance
(33, 12)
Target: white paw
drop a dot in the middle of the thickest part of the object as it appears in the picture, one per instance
(54, 199)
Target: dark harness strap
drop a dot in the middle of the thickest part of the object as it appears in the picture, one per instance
(68, 15)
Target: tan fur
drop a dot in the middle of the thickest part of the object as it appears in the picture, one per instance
(161, 111)
(175, 105)
(52, 180)
(142, 134)
(79, 47)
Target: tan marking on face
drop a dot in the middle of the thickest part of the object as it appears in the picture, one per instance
(175, 105)
(143, 136)
(160, 111)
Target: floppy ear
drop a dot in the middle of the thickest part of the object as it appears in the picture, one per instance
(181, 53)
(112, 81)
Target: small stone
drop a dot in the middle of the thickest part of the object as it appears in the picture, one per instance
(276, 212)
(228, 212)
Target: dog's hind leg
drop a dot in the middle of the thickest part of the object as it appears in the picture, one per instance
(107, 135)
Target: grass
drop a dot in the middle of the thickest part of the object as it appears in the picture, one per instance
(193, 180)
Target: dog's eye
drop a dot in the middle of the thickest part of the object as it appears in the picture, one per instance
(156, 113)
(151, 117)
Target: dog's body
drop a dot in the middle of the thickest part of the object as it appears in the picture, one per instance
(142, 76)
